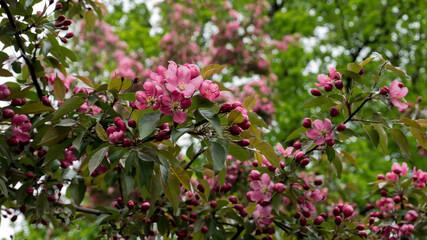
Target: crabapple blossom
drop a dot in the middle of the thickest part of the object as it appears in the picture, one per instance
(261, 189)
(4, 91)
(399, 170)
(321, 132)
(419, 179)
(149, 97)
(398, 91)
(411, 216)
(174, 105)
(180, 79)
(209, 90)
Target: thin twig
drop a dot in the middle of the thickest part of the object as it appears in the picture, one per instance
(22, 48)
(237, 234)
(202, 150)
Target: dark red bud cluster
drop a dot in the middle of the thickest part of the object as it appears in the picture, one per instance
(384, 90)
(18, 102)
(46, 101)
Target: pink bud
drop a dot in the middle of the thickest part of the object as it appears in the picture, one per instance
(297, 145)
(213, 204)
(244, 142)
(338, 220)
(341, 127)
(279, 187)
(69, 35)
(333, 112)
(235, 130)
(145, 206)
(315, 92)
(362, 71)
(58, 7)
(384, 90)
(225, 108)
(306, 123)
(232, 199)
(132, 123)
(318, 182)
(360, 227)
(347, 210)
(8, 113)
(319, 220)
(339, 84)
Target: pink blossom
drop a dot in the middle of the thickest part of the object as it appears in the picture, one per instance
(179, 79)
(4, 91)
(159, 75)
(391, 176)
(149, 97)
(209, 90)
(321, 132)
(411, 216)
(262, 211)
(406, 229)
(323, 80)
(315, 195)
(399, 170)
(175, 105)
(261, 189)
(419, 179)
(385, 204)
(116, 137)
(398, 91)
(21, 124)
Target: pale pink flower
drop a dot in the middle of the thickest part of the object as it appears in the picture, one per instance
(261, 189)
(149, 97)
(179, 79)
(209, 90)
(315, 195)
(262, 211)
(406, 229)
(321, 132)
(175, 105)
(385, 204)
(399, 170)
(391, 176)
(398, 91)
(116, 137)
(21, 124)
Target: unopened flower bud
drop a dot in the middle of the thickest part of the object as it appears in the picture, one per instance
(232, 199)
(328, 87)
(132, 123)
(396, 199)
(306, 123)
(127, 143)
(30, 175)
(338, 220)
(315, 92)
(333, 112)
(360, 227)
(46, 101)
(318, 182)
(347, 210)
(339, 84)
(213, 204)
(69, 35)
(64, 40)
(235, 130)
(279, 187)
(244, 142)
(299, 156)
(305, 162)
(319, 220)
(145, 206)
(362, 71)
(330, 142)
(204, 229)
(225, 108)
(336, 211)
(58, 7)
(384, 90)
(131, 204)
(60, 18)
(297, 145)
(419, 99)
(303, 222)
(341, 127)
(8, 113)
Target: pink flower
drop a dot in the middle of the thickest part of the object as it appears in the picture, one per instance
(407, 229)
(288, 151)
(159, 75)
(262, 211)
(385, 204)
(21, 124)
(261, 189)
(321, 132)
(399, 170)
(175, 106)
(419, 179)
(323, 80)
(149, 97)
(411, 216)
(179, 79)
(391, 176)
(116, 137)
(398, 91)
(209, 90)
(315, 195)
(4, 91)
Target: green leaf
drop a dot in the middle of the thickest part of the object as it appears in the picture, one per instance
(128, 96)
(177, 133)
(119, 85)
(210, 70)
(382, 136)
(350, 158)
(3, 188)
(235, 117)
(398, 70)
(254, 118)
(211, 116)
(330, 152)
(249, 102)
(101, 132)
(77, 189)
(267, 150)
(182, 177)
(85, 80)
(372, 134)
(54, 135)
(90, 18)
(296, 134)
(354, 67)
(144, 169)
(59, 89)
(318, 101)
(67, 106)
(58, 66)
(366, 61)
(401, 140)
(338, 166)
(46, 47)
(42, 204)
(172, 190)
(238, 152)
(218, 150)
(419, 135)
(221, 86)
(5, 73)
(68, 53)
(96, 159)
(147, 124)
(35, 108)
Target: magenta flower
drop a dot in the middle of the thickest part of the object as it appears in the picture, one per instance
(209, 90)
(391, 176)
(288, 151)
(179, 79)
(159, 75)
(398, 91)
(399, 170)
(406, 229)
(411, 216)
(175, 105)
(21, 124)
(321, 132)
(315, 195)
(149, 97)
(261, 189)
(325, 80)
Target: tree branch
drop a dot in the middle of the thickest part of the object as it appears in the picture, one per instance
(22, 48)
(202, 150)
(237, 234)
(84, 210)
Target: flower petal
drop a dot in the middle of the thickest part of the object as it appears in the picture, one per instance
(179, 117)
(402, 93)
(318, 124)
(312, 133)
(320, 141)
